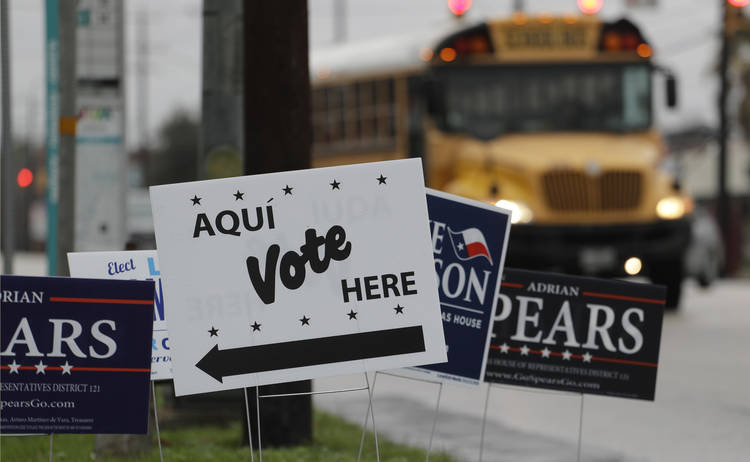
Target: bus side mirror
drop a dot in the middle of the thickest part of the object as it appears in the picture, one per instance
(671, 91)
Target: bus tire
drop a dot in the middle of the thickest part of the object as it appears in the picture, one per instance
(669, 273)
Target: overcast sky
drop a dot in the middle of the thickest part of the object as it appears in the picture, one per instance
(684, 34)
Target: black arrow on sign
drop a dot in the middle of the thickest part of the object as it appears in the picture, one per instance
(300, 353)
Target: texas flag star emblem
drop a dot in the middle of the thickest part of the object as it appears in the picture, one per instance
(469, 243)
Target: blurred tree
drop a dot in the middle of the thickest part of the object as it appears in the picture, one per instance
(175, 157)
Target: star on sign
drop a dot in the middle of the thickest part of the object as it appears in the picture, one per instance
(504, 348)
(587, 357)
(255, 326)
(545, 352)
(524, 350)
(238, 196)
(352, 314)
(14, 367)
(399, 309)
(381, 179)
(40, 367)
(196, 200)
(566, 355)
(335, 185)
(460, 246)
(213, 331)
(305, 320)
(287, 190)
(66, 368)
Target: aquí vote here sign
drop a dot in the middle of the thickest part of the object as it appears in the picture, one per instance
(134, 264)
(74, 355)
(296, 275)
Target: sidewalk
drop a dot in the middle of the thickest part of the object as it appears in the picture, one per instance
(404, 418)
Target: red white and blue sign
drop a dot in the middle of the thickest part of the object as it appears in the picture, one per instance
(578, 334)
(469, 241)
(75, 355)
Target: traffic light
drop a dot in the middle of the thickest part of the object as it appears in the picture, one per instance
(459, 7)
(590, 6)
(24, 178)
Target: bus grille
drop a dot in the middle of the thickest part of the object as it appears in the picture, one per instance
(575, 191)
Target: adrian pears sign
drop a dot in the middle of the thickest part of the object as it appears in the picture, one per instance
(296, 275)
(577, 334)
(74, 355)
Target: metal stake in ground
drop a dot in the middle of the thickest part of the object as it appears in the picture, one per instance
(484, 422)
(370, 409)
(249, 428)
(580, 429)
(257, 412)
(434, 422)
(50, 447)
(156, 422)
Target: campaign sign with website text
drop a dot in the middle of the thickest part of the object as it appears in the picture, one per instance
(577, 334)
(136, 264)
(469, 239)
(74, 355)
(296, 275)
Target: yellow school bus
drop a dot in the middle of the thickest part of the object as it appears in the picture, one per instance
(549, 116)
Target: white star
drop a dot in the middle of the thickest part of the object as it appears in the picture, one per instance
(40, 367)
(524, 350)
(504, 348)
(587, 357)
(460, 246)
(14, 367)
(566, 355)
(545, 352)
(66, 368)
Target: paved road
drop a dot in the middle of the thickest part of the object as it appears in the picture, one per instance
(701, 411)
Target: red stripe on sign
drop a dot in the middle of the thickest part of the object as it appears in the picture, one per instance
(577, 356)
(110, 369)
(625, 297)
(624, 361)
(476, 248)
(511, 284)
(114, 301)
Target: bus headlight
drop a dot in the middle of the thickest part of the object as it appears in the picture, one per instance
(673, 207)
(520, 212)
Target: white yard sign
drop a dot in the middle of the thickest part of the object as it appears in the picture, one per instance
(136, 264)
(296, 275)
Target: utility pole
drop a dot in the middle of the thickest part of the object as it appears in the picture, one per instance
(67, 129)
(278, 137)
(141, 67)
(6, 146)
(220, 153)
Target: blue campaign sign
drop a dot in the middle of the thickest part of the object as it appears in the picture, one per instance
(75, 355)
(469, 241)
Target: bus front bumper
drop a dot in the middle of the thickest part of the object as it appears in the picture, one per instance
(599, 250)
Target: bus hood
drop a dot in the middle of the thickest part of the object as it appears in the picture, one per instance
(590, 152)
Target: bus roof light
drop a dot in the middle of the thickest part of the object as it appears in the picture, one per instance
(448, 54)
(644, 51)
(459, 7)
(590, 6)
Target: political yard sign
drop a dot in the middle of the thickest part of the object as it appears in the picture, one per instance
(469, 240)
(137, 264)
(74, 355)
(296, 275)
(577, 334)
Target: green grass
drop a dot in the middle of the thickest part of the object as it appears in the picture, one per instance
(334, 440)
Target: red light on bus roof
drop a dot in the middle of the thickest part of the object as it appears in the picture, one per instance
(25, 177)
(590, 6)
(459, 7)
(739, 3)
(425, 54)
(644, 51)
(448, 54)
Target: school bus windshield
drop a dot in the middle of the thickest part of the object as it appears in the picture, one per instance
(490, 101)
